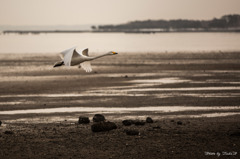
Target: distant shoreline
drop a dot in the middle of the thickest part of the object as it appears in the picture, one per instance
(149, 31)
(226, 23)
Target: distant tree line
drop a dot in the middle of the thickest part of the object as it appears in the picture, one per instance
(226, 21)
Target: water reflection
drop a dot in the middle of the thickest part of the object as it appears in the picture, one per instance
(119, 109)
(161, 80)
(123, 92)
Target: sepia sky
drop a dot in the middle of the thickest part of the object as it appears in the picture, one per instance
(80, 12)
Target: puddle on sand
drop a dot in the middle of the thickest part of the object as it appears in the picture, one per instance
(118, 109)
(137, 87)
(11, 103)
(122, 92)
(43, 120)
(214, 82)
(161, 80)
(212, 95)
(186, 89)
(65, 95)
(129, 92)
(212, 115)
(144, 91)
(198, 95)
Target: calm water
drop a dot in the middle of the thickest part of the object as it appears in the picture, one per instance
(120, 42)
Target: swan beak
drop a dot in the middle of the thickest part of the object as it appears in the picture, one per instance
(114, 52)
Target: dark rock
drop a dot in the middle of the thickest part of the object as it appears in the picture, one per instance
(132, 132)
(236, 134)
(0, 122)
(98, 118)
(149, 120)
(83, 120)
(8, 132)
(138, 123)
(156, 127)
(127, 122)
(103, 126)
(179, 123)
(172, 120)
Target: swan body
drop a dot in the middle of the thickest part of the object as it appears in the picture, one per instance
(72, 57)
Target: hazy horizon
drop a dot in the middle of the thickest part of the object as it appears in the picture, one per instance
(46, 27)
(93, 12)
(70, 27)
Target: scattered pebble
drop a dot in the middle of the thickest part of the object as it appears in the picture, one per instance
(236, 134)
(149, 120)
(179, 123)
(156, 127)
(103, 126)
(98, 118)
(0, 122)
(127, 122)
(83, 120)
(8, 132)
(138, 123)
(132, 132)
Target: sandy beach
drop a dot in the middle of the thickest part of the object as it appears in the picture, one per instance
(193, 98)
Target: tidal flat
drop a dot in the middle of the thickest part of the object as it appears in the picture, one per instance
(201, 90)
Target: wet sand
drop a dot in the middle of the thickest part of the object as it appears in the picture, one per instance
(172, 80)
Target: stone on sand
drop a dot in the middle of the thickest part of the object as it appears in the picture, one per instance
(0, 122)
(138, 123)
(98, 118)
(179, 123)
(149, 120)
(132, 132)
(127, 122)
(83, 120)
(103, 126)
(235, 133)
(8, 132)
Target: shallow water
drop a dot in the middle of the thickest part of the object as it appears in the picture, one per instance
(120, 42)
(118, 109)
(124, 92)
(142, 87)
(28, 99)
(145, 85)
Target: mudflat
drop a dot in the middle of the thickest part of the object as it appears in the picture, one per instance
(193, 99)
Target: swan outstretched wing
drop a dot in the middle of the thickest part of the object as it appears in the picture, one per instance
(86, 66)
(77, 53)
(66, 56)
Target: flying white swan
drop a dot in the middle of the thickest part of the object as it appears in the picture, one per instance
(72, 57)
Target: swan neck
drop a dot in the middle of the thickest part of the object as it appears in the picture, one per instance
(96, 57)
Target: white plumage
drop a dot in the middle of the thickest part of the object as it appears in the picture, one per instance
(72, 57)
